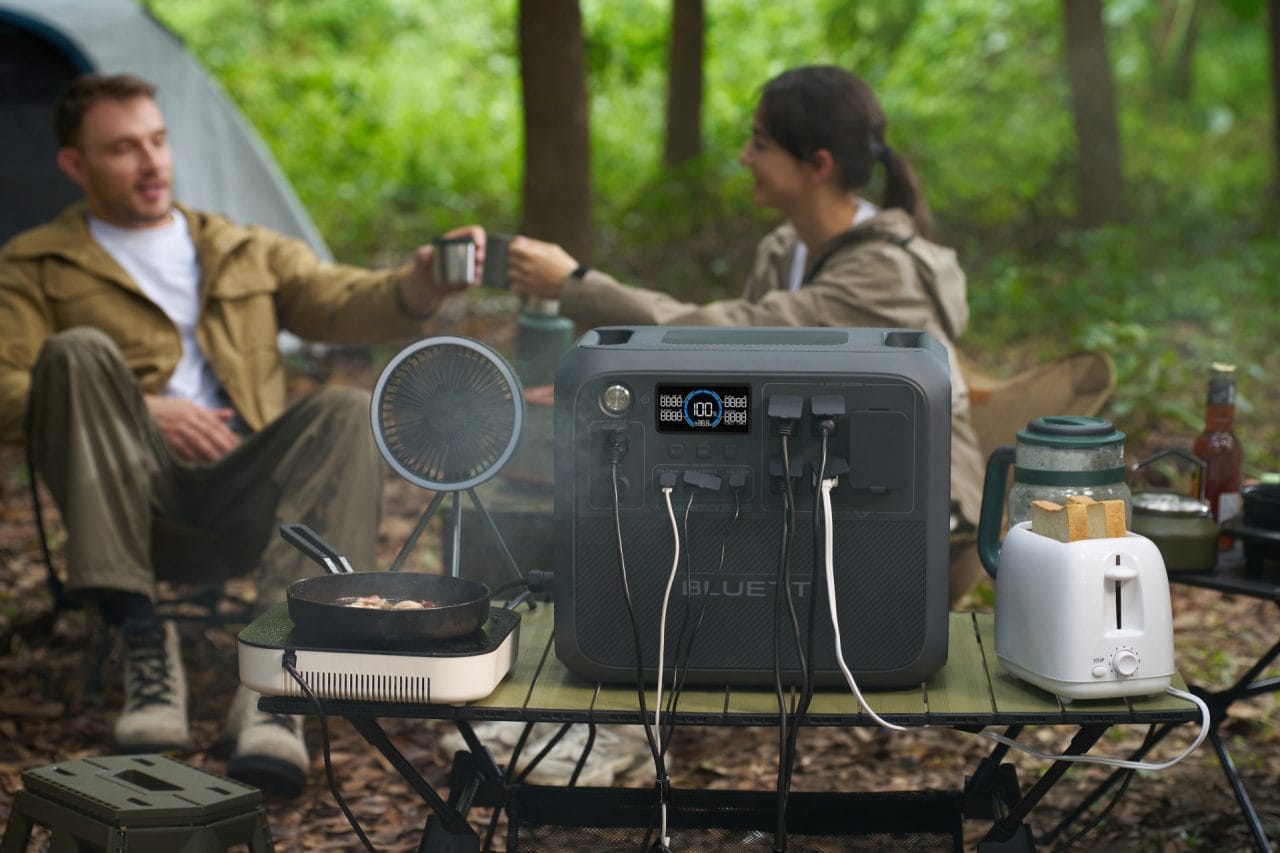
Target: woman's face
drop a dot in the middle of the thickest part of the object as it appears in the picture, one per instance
(780, 179)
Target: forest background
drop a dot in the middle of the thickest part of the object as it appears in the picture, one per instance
(614, 128)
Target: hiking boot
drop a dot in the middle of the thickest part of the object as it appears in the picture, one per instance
(154, 718)
(270, 752)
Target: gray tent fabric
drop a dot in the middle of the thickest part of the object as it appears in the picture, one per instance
(220, 163)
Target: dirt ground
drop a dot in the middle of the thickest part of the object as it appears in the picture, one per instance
(46, 716)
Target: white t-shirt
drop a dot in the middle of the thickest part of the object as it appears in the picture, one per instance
(162, 261)
(865, 211)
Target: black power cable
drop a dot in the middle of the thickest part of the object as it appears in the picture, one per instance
(685, 653)
(782, 592)
(662, 784)
(817, 589)
(289, 662)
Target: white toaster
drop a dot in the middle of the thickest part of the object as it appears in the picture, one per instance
(1086, 620)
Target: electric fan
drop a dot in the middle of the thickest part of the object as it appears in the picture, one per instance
(447, 413)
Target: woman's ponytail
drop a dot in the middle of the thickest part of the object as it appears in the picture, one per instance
(902, 190)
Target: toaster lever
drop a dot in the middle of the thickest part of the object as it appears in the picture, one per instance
(1120, 573)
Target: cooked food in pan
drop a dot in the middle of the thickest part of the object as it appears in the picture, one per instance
(377, 602)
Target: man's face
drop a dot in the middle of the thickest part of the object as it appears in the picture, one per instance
(123, 162)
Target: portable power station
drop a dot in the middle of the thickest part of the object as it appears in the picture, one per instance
(706, 412)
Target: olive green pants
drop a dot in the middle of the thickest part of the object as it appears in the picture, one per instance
(119, 487)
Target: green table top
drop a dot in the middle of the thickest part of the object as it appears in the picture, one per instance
(971, 689)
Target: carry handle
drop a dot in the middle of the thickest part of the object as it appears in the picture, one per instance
(1182, 454)
(993, 506)
(313, 545)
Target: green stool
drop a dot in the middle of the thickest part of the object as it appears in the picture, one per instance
(136, 803)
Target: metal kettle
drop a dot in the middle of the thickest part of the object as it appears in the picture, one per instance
(1182, 526)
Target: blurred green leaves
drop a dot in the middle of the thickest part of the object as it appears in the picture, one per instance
(397, 119)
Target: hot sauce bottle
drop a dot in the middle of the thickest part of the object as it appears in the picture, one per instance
(1218, 447)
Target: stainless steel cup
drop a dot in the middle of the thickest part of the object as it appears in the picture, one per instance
(455, 260)
(495, 261)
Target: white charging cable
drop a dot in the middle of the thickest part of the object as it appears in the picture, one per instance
(1119, 762)
(828, 548)
(828, 552)
(656, 730)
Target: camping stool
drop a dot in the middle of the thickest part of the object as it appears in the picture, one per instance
(136, 803)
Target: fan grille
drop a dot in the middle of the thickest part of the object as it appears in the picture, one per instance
(447, 413)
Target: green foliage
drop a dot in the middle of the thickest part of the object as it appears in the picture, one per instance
(397, 119)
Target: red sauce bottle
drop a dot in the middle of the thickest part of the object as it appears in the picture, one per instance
(1218, 447)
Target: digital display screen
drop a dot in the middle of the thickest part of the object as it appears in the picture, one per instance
(703, 408)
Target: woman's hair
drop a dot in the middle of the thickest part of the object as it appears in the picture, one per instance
(85, 91)
(823, 107)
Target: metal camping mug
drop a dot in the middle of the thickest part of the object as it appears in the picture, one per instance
(495, 261)
(454, 261)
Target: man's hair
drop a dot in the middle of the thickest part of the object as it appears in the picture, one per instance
(85, 91)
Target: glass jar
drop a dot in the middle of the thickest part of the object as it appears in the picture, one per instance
(1055, 457)
(1067, 455)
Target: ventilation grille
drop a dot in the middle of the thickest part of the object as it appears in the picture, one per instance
(362, 687)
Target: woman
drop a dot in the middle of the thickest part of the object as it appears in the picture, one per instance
(817, 137)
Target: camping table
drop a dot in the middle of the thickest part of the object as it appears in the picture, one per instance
(1229, 577)
(970, 692)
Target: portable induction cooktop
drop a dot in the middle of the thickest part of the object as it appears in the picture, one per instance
(441, 672)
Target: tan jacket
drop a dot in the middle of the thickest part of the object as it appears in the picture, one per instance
(880, 274)
(253, 283)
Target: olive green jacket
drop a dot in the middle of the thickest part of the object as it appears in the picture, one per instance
(879, 274)
(253, 283)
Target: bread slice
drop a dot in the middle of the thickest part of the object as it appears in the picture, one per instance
(1114, 510)
(1095, 516)
(1065, 523)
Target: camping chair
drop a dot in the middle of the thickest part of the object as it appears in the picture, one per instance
(1076, 384)
(202, 560)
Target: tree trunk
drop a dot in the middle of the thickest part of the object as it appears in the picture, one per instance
(684, 83)
(1175, 39)
(1099, 173)
(1273, 38)
(557, 150)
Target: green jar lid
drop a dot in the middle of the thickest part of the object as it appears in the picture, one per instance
(1070, 431)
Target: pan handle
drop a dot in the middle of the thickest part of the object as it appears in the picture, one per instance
(313, 545)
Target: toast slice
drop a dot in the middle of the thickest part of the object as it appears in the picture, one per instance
(1114, 510)
(1067, 523)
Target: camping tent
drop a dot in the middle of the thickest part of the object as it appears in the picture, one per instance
(220, 164)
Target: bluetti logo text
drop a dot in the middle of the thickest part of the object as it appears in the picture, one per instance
(739, 588)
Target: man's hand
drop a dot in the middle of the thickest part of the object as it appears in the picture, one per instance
(195, 433)
(537, 268)
(420, 293)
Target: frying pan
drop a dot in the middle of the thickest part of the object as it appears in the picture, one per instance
(320, 613)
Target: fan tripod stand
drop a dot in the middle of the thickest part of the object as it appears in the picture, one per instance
(456, 545)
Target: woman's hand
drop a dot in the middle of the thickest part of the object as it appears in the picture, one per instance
(537, 268)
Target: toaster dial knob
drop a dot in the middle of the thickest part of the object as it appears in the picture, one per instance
(1125, 662)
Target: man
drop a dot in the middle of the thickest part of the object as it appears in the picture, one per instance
(138, 358)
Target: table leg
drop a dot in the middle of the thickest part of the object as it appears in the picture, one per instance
(993, 784)
(369, 729)
(1008, 826)
(1242, 796)
(1104, 786)
(1219, 710)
